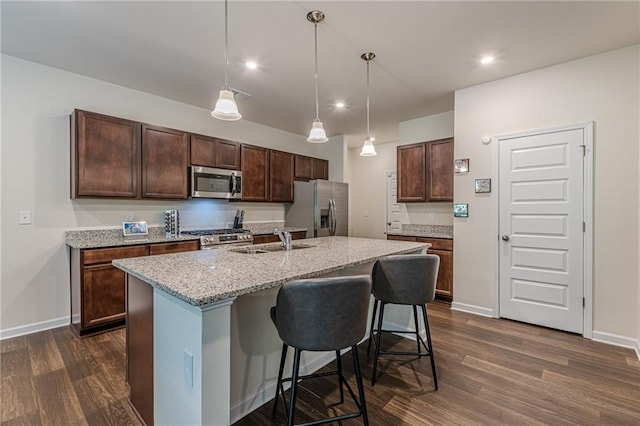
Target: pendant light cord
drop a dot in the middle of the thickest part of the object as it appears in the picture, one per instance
(368, 99)
(226, 47)
(315, 31)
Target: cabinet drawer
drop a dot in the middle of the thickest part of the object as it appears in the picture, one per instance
(401, 238)
(437, 243)
(93, 256)
(178, 247)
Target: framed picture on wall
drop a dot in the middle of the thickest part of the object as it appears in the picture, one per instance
(483, 185)
(131, 229)
(461, 165)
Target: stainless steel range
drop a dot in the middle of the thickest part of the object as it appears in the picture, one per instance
(215, 238)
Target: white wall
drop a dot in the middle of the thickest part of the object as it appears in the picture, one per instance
(36, 103)
(603, 88)
(431, 127)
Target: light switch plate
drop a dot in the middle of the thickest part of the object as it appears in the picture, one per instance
(24, 217)
(188, 368)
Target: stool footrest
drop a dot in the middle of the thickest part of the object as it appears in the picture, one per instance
(312, 376)
(332, 419)
(404, 353)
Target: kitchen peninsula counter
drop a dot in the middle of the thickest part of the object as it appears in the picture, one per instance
(201, 348)
(203, 277)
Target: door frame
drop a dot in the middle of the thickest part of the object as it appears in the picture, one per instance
(587, 250)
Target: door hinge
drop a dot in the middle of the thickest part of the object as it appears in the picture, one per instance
(584, 149)
(584, 302)
(584, 226)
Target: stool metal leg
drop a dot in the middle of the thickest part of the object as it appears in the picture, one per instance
(433, 361)
(294, 386)
(415, 320)
(377, 348)
(358, 372)
(340, 376)
(283, 358)
(373, 318)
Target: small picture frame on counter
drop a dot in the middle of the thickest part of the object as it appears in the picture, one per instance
(461, 210)
(483, 185)
(461, 165)
(135, 229)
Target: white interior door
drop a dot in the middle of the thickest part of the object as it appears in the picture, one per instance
(394, 210)
(541, 229)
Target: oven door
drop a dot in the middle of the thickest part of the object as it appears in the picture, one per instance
(208, 182)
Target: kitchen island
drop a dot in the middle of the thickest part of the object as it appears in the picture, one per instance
(200, 345)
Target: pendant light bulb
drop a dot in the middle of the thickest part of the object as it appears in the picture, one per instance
(317, 133)
(368, 149)
(226, 108)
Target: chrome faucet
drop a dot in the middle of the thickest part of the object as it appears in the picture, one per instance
(285, 237)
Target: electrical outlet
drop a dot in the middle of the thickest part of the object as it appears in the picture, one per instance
(188, 368)
(24, 217)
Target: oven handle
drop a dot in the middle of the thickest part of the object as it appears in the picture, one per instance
(234, 184)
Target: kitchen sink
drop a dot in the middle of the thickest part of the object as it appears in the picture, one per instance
(268, 249)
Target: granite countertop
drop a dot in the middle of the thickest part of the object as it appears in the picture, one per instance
(97, 238)
(286, 228)
(426, 231)
(206, 276)
(266, 228)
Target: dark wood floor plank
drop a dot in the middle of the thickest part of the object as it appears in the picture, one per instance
(44, 354)
(57, 400)
(16, 390)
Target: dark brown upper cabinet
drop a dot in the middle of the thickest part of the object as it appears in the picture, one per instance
(281, 177)
(425, 171)
(255, 173)
(165, 159)
(320, 169)
(303, 167)
(213, 152)
(105, 156)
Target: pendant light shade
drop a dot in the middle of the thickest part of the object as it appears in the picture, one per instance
(226, 107)
(368, 149)
(317, 133)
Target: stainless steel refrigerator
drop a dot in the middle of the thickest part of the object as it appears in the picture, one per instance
(320, 206)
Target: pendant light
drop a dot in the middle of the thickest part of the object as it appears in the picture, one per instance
(368, 150)
(226, 108)
(317, 133)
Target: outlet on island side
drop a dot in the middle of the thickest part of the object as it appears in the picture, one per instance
(188, 368)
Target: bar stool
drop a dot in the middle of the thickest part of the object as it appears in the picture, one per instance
(322, 314)
(404, 280)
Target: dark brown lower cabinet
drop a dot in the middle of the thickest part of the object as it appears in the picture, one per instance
(443, 248)
(98, 287)
(270, 238)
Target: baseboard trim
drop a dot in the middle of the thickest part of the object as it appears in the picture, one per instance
(472, 309)
(265, 393)
(617, 340)
(33, 328)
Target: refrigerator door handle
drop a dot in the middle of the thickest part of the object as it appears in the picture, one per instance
(333, 216)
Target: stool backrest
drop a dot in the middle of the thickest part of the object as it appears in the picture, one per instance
(323, 314)
(408, 279)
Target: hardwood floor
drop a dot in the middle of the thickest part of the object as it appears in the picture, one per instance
(490, 372)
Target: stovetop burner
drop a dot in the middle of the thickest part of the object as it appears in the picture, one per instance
(202, 232)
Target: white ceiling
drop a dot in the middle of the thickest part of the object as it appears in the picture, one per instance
(425, 51)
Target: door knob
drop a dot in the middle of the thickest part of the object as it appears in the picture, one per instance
(505, 238)
(389, 223)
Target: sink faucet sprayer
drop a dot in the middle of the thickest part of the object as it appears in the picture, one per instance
(285, 237)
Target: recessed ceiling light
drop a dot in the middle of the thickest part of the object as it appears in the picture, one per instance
(340, 105)
(252, 65)
(486, 60)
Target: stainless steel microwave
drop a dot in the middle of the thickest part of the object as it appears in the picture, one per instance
(207, 182)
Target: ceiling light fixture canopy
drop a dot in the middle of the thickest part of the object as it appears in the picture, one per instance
(317, 133)
(226, 108)
(368, 149)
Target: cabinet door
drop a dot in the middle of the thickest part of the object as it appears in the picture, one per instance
(255, 173)
(105, 154)
(440, 170)
(213, 152)
(304, 167)
(281, 177)
(177, 247)
(102, 295)
(444, 285)
(411, 166)
(165, 159)
(320, 169)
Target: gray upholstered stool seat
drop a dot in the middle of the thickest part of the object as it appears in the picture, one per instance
(404, 280)
(322, 314)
